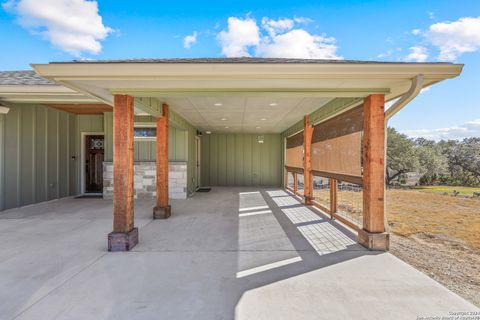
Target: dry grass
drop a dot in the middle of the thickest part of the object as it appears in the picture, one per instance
(412, 212)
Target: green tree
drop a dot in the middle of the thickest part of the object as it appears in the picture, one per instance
(433, 162)
(402, 156)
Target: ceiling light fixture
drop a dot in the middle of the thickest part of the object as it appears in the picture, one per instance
(208, 132)
(263, 119)
(257, 128)
(273, 104)
(226, 127)
(223, 119)
(218, 104)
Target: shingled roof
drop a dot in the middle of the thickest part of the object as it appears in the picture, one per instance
(27, 78)
(240, 60)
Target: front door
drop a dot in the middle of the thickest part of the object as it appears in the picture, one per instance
(94, 164)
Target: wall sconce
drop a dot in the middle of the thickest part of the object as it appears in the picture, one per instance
(260, 139)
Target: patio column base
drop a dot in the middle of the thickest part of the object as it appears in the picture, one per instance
(309, 200)
(122, 241)
(162, 212)
(374, 241)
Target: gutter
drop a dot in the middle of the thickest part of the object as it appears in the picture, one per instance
(414, 90)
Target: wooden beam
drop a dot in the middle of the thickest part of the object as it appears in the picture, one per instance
(373, 234)
(83, 108)
(333, 196)
(295, 182)
(307, 161)
(124, 235)
(162, 209)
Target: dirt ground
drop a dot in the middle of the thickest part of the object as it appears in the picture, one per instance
(439, 235)
(436, 233)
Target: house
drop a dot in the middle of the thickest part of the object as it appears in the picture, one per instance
(162, 128)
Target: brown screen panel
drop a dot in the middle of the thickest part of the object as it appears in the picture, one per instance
(341, 155)
(294, 152)
(295, 157)
(344, 124)
(337, 144)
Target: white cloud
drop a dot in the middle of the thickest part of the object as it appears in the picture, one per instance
(467, 130)
(455, 38)
(416, 32)
(276, 39)
(74, 26)
(417, 54)
(277, 26)
(240, 35)
(189, 40)
(298, 43)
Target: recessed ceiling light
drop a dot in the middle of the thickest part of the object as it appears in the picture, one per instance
(263, 119)
(273, 104)
(223, 119)
(208, 132)
(218, 104)
(257, 128)
(226, 127)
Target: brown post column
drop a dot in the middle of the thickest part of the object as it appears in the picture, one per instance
(307, 163)
(373, 235)
(295, 182)
(124, 236)
(333, 197)
(162, 209)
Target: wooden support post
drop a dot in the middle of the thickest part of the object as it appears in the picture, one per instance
(162, 210)
(124, 236)
(333, 196)
(307, 163)
(373, 235)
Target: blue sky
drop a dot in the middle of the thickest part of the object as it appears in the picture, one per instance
(33, 31)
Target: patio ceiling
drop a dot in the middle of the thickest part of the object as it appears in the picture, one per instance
(243, 95)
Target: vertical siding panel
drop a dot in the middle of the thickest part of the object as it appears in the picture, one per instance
(12, 161)
(214, 160)
(222, 160)
(27, 158)
(239, 164)
(230, 165)
(63, 177)
(72, 130)
(108, 130)
(256, 171)
(40, 155)
(247, 158)
(52, 156)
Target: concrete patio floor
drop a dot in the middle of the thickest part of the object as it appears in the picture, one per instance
(232, 253)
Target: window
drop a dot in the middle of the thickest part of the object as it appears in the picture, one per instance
(145, 132)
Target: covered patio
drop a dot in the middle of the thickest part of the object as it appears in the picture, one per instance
(235, 252)
(260, 122)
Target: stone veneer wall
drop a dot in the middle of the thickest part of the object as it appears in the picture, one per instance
(145, 180)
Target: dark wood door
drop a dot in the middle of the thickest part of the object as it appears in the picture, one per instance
(94, 153)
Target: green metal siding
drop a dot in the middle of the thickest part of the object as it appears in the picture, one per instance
(36, 155)
(239, 160)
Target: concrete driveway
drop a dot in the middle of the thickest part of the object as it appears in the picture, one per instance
(232, 253)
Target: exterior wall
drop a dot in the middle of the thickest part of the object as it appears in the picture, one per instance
(239, 160)
(145, 180)
(37, 148)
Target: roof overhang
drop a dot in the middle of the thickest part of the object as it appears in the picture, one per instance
(206, 82)
(165, 79)
(42, 94)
